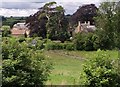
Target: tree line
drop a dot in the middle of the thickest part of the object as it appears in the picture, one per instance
(51, 22)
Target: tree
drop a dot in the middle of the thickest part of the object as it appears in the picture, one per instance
(23, 66)
(5, 31)
(79, 41)
(105, 22)
(55, 24)
(83, 41)
(37, 24)
(116, 25)
(84, 13)
(10, 21)
(101, 71)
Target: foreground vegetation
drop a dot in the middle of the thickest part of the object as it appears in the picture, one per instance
(23, 65)
(83, 60)
(68, 65)
(25, 57)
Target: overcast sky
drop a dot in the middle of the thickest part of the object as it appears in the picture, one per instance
(25, 8)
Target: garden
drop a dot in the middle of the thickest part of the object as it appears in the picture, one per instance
(49, 57)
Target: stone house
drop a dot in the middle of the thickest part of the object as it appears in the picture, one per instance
(84, 27)
(20, 29)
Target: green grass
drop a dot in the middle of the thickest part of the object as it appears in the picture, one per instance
(67, 65)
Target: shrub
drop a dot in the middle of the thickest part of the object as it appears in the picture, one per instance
(101, 72)
(79, 41)
(23, 66)
(59, 46)
(40, 45)
(88, 44)
(28, 40)
(69, 46)
(5, 31)
(35, 43)
(54, 46)
(117, 41)
(103, 41)
(83, 41)
(50, 45)
(96, 43)
(38, 38)
(21, 39)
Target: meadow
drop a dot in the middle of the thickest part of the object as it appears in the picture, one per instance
(67, 65)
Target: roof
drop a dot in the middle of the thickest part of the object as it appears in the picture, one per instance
(85, 27)
(20, 26)
(15, 31)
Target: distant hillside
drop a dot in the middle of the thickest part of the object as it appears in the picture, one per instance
(10, 21)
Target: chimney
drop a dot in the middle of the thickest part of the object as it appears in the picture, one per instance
(88, 23)
(79, 26)
(79, 23)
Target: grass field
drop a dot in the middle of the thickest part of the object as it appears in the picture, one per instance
(67, 65)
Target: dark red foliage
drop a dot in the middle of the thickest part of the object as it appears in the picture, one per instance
(36, 25)
(84, 13)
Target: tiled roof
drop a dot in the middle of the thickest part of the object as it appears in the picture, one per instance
(20, 26)
(15, 31)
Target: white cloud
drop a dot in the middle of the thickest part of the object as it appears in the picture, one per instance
(21, 5)
(83, 1)
(70, 7)
(26, 0)
(17, 12)
(54, 0)
(16, 1)
(21, 10)
(10, 8)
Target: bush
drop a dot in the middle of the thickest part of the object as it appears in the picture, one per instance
(79, 41)
(35, 43)
(21, 39)
(69, 46)
(40, 45)
(88, 44)
(50, 45)
(23, 66)
(54, 46)
(38, 38)
(5, 31)
(103, 41)
(84, 41)
(117, 41)
(96, 43)
(101, 72)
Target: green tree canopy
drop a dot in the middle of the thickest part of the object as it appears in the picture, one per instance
(106, 22)
(5, 31)
(23, 66)
(49, 20)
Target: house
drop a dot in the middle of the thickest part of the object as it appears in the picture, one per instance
(85, 27)
(20, 29)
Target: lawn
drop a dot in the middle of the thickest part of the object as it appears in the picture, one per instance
(67, 65)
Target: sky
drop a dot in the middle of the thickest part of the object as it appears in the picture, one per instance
(25, 8)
